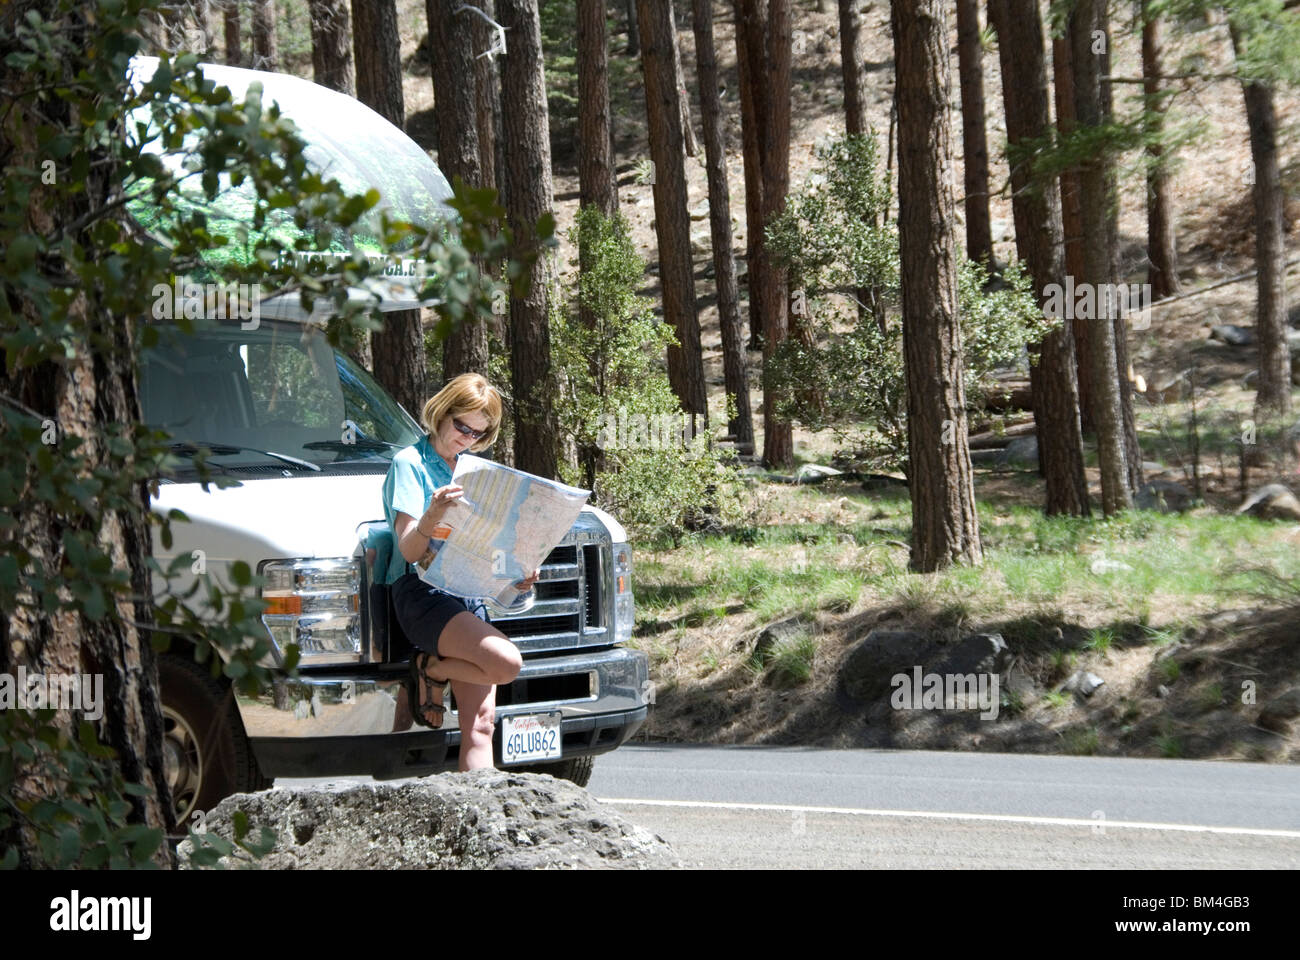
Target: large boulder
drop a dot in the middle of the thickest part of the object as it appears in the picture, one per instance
(1272, 502)
(1163, 495)
(485, 818)
(1021, 452)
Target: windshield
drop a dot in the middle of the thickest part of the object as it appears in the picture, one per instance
(277, 389)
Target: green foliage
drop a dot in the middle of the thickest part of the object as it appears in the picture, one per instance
(82, 817)
(68, 290)
(835, 240)
(658, 473)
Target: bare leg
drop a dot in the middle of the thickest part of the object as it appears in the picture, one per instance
(476, 652)
(476, 711)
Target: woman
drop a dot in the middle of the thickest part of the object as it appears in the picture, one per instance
(453, 643)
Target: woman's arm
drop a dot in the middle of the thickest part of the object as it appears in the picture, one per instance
(412, 534)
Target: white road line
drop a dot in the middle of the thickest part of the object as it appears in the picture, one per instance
(989, 817)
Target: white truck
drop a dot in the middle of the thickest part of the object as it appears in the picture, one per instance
(309, 435)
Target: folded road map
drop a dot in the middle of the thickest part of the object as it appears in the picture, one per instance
(499, 531)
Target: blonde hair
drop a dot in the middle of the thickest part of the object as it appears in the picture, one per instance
(468, 393)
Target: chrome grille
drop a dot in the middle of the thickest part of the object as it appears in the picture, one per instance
(569, 610)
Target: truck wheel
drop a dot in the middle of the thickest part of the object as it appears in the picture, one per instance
(208, 756)
(577, 769)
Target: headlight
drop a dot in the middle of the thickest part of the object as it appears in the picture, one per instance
(315, 604)
(624, 611)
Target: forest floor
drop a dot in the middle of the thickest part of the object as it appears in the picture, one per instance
(1171, 611)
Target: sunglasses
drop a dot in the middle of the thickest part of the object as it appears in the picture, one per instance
(468, 431)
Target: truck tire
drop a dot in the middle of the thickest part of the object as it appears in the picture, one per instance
(207, 753)
(577, 769)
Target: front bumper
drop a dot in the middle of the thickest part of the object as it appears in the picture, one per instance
(349, 723)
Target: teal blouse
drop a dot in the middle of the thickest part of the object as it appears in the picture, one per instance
(413, 476)
(415, 473)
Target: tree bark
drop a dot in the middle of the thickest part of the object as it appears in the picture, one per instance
(94, 386)
(400, 364)
(376, 44)
(734, 361)
(765, 31)
(633, 29)
(1096, 199)
(753, 167)
(1037, 210)
(231, 25)
(527, 147)
(1273, 396)
(331, 45)
(265, 56)
(851, 68)
(945, 528)
(1072, 221)
(596, 182)
(975, 151)
(451, 38)
(672, 221)
(683, 96)
(1162, 253)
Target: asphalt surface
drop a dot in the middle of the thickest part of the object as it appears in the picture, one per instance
(756, 807)
(795, 807)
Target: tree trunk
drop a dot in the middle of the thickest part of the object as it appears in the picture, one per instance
(488, 120)
(451, 38)
(264, 47)
(1037, 210)
(1096, 199)
(1072, 221)
(975, 151)
(596, 183)
(672, 221)
(376, 44)
(94, 386)
(851, 67)
(633, 29)
(1162, 254)
(734, 361)
(331, 45)
(400, 364)
(753, 167)
(766, 32)
(1273, 397)
(683, 96)
(230, 23)
(527, 147)
(945, 528)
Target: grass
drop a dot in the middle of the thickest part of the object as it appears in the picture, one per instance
(1169, 746)
(1056, 698)
(1082, 743)
(843, 559)
(1100, 640)
(1169, 669)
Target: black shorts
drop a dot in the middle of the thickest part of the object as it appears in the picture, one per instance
(423, 611)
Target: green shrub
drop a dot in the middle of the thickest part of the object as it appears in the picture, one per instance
(643, 458)
(836, 241)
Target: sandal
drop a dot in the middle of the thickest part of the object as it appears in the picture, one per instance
(427, 693)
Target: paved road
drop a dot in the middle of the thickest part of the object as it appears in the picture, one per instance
(796, 807)
(746, 806)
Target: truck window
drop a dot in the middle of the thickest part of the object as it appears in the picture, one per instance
(279, 387)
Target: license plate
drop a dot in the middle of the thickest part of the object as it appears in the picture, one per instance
(533, 736)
